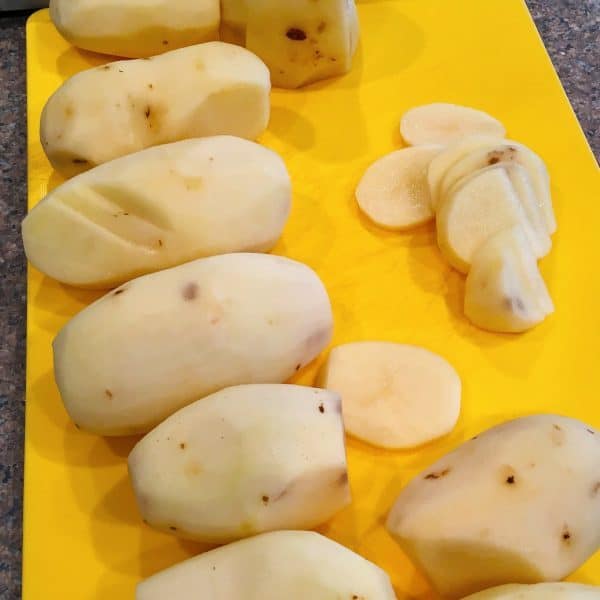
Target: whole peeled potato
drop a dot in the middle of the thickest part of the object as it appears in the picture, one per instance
(164, 340)
(242, 461)
(158, 208)
(135, 28)
(520, 503)
(119, 108)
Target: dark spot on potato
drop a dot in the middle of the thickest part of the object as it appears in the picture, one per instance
(150, 86)
(108, 393)
(438, 474)
(295, 34)
(144, 522)
(566, 535)
(160, 243)
(513, 304)
(147, 113)
(557, 427)
(333, 59)
(172, 528)
(80, 161)
(321, 27)
(595, 489)
(510, 480)
(474, 438)
(493, 161)
(190, 291)
(182, 445)
(211, 158)
(105, 68)
(558, 435)
(119, 291)
(321, 408)
(342, 480)
(165, 42)
(281, 71)
(265, 500)
(121, 70)
(214, 568)
(297, 368)
(78, 426)
(591, 431)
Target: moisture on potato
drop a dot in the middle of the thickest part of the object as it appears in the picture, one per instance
(119, 108)
(295, 565)
(164, 340)
(158, 208)
(135, 28)
(518, 503)
(303, 41)
(394, 395)
(540, 591)
(245, 460)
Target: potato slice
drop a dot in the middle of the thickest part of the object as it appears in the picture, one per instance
(504, 290)
(295, 565)
(394, 193)
(519, 502)
(394, 396)
(505, 152)
(246, 460)
(540, 591)
(486, 204)
(442, 123)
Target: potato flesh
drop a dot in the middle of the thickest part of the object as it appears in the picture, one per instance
(164, 340)
(296, 565)
(245, 460)
(120, 108)
(486, 204)
(394, 192)
(540, 591)
(135, 28)
(158, 208)
(517, 503)
(303, 41)
(504, 291)
(442, 123)
(394, 395)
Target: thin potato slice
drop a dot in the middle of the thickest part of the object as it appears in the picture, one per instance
(394, 192)
(393, 395)
(442, 123)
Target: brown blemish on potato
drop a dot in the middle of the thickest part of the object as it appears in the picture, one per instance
(165, 42)
(566, 535)
(591, 431)
(182, 445)
(190, 291)
(150, 86)
(493, 161)
(595, 489)
(505, 154)
(295, 34)
(144, 522)
(438, 474)
(105, 68)
(321, 408)
(121, 70)
(147, 113)
(508, 475)
(118, 292)
(510, 480)
(108, 394)
(160, 243)
(557, 435)
(265, 500)
(80, 161)
(78, 426)
(342, 480)
(333, 59)
(299, 365)
(172, 528)
(321, 27)
(357, 597)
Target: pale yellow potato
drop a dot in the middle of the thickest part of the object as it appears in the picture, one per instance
(303, 41)
(295, 565)
(394, 192)
(442, 123)
(164, 340)
(517, 503)
(135, 28)
(505, 291)
(245, 460)
(159, 208)
(540, 591)
(486, 204)
(234, 17)
(119, 108)
(394, 395)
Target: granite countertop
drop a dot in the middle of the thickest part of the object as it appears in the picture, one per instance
(569, 29)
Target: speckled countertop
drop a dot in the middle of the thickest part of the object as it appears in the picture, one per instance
(570, 30)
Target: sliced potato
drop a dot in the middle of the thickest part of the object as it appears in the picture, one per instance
(505, 291)
(442, 123)
(486, 204)
(394, 193)
(295, 565)
(520, 502)
(451, 155)
(394, 395)
(540, 591)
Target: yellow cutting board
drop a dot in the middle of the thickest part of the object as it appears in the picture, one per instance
(83, 537)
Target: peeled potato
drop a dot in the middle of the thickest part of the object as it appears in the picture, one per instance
(540, 591)
(457, 150)
(441, 123)
(394, 396)
(504, 290)
(484, 205)
(394, 193)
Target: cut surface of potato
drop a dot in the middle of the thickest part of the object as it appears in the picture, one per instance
(120, 108)
(517, 503)
(394, 192)
(158, 208)
(540, 591)
(393, 395)
(303, 41)
(245, 460)
(162, 341)
(505, 291)
(486, 204)
(452, 154)
(296, 565)
(505, 152)
(442, 123)
(135, 28)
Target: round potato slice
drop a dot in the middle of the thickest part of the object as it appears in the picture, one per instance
(393, 395)
(394, 192)
(442, 123)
